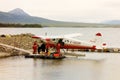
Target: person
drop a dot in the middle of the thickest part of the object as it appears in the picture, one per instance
(35, 46)
(42, 47)
(39, 49)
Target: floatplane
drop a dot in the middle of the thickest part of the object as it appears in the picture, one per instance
(63, 42)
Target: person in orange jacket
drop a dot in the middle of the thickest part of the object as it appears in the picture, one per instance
(35, 46)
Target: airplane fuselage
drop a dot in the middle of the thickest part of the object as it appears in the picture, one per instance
(70, 44)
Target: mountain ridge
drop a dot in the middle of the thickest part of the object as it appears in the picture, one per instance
(112, 22)
(19, 12)
(19, 16)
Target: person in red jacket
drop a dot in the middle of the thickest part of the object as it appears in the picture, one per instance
(35, 46)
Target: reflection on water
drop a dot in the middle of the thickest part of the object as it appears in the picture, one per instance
(94, 66)
(19, 68)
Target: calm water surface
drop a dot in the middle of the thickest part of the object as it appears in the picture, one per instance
(94, 66)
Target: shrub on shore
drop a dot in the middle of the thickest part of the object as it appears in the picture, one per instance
(20, 25)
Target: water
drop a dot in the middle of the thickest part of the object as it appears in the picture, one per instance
(103, 67)
(111, 36)
(94, 66)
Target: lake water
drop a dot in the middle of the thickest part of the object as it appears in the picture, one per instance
(94, 66)
(111, 36)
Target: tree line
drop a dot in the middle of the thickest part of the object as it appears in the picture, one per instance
(20, 25)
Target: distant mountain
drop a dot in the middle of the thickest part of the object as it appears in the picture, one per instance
(18, 12)
(19, 16)
(112, 22)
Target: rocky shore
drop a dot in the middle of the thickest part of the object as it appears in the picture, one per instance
(24, 41)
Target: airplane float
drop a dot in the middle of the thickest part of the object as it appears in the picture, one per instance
(66, 42)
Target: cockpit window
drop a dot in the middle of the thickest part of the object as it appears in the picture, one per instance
(53, 39)
(60, 40)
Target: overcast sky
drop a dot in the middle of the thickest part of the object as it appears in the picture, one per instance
(67, 10)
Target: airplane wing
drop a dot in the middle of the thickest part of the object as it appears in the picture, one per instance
(46, 37)
(62, 36)
(73, 35)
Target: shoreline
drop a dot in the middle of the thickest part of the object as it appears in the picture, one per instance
(4, 54)
(23, 41)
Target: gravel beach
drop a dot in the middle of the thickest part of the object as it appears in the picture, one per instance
(24, 41)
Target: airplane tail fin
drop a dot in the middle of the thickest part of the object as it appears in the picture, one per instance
(97, 41)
